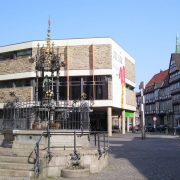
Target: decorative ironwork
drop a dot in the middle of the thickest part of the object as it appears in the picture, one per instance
(47, 112)
(27, 115)
(75, 156)
(46, 58)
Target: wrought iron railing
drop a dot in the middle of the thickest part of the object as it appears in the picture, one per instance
(33, 115)
(98, 139)
(37, 158)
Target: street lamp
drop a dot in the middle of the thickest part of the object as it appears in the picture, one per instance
(141, 87)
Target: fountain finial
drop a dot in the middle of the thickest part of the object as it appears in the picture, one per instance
(48, 48)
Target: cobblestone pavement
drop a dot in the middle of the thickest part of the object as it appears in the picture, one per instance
(156, 158)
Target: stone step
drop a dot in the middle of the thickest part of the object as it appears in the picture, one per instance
(16, 166)
(15, 173)
(14, 152)
(15, 178)
(26, 146)
(19, 152)
(6, 151)
(13, 159)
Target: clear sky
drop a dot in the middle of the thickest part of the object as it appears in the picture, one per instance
(146, 29)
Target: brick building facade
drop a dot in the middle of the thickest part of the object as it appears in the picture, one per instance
(98, 67)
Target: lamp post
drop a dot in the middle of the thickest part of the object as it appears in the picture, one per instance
(141, 87)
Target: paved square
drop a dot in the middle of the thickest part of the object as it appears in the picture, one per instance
(156, 158)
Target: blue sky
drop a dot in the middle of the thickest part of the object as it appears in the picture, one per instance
(146, 29)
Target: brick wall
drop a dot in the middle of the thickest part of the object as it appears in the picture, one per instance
(78, 57)
(81, 57)
(130, 97)
(103, 56)
(130, 70)
(18, 65)
(23, 93)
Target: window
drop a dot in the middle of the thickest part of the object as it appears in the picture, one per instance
(6, 84)
(62, 88)
(1, 113)
(75, 88)
(88, 86)
(15, 83)
(84, 84)
(15, 54)
(101, 87)
(22, 82)
(9, 55)
(129, 87)
(25, 52)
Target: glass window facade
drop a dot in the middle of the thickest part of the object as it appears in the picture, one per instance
(15, 83)
(15, 54)
(79, 85)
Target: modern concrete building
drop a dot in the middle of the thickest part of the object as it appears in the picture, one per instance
(98, 67)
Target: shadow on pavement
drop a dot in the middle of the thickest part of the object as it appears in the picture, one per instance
(157, 157)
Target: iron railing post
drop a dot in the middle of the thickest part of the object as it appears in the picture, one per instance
(49, 135)
(37, 145)
(99, 148)
(75, 150)
(37, 163)
(95, 138)
(104, 141)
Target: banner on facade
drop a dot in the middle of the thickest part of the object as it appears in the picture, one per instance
(118, 80)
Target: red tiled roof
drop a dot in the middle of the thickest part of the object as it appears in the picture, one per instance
(158, 78)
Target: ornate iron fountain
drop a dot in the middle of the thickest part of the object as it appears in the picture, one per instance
(48, 113)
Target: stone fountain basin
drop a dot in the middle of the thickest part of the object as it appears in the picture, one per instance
(75, 172)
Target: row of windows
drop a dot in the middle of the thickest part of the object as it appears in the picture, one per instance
(161, 106)
(176, 97)
(74, 81)
(175, 86)
(177, 108)
(164, 92)
(156, 93)
(150, 107)
(161, 92)
(165, 105)
(149, 96)
(174, 76)
(16, 54)
(15, 83)
(78, 85)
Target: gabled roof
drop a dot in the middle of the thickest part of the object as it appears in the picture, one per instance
(158, 78)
